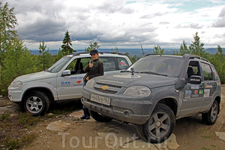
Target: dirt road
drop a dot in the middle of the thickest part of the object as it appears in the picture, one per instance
(190, 134)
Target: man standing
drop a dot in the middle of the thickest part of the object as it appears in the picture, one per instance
(93, 69)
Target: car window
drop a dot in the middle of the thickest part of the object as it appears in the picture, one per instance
(122, 62)
(85, 61)
(71, 66)
(215, 73)
(108, 63)
(193, 69)
(207, 72)
(59, 64)
(170, 66)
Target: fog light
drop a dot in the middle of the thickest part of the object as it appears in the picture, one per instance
(126, 113)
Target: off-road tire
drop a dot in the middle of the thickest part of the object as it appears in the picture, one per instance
(210, 117)
(36, 103)
(160, 125)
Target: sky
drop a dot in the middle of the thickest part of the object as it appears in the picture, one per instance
(119, 23)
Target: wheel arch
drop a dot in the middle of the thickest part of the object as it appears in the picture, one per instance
(40, 89)
(171, 103)
(218, 99)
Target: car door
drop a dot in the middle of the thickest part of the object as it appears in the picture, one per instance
(70, 87)
(209, 83)
(193, 93)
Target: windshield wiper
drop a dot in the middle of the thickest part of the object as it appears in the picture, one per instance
(150, 72)
(125, 71)
(128, 71)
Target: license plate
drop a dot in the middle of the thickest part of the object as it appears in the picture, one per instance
(100, 99)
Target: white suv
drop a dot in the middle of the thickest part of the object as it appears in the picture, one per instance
(62, 81)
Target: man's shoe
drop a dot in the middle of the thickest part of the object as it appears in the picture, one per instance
(87, 117)
(83, 117)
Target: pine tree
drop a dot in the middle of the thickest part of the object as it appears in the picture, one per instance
(197, 47)
(17, 61)
(66, 49)
(184, 49)
(157, 50)
(115, 50)
(92, 46)
(7, 33)
(45, 55)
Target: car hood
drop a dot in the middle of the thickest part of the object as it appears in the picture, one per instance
(36, 76)
(126, 80)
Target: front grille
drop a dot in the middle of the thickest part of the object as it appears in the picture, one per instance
(112, 89)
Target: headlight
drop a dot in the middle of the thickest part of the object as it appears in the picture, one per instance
(138, 91)
(90, 83)
(16, 84)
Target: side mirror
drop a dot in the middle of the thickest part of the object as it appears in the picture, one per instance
(66, 73)
(194, 79)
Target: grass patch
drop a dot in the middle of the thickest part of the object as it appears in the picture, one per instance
(4, 117)
(206, 137)
(28, 120)
(213, 145)
(205, 148)
(12, 143)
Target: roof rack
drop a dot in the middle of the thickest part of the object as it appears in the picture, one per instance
(148, 55)
(78, 53)
(194, 57)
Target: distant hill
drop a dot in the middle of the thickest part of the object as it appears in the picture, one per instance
(213, 50)
(132, 52)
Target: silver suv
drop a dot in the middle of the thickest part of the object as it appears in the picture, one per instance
(62, 81)
(154, 92)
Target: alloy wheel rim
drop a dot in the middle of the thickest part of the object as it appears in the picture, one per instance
(159, 124)
(34, 104)
(214, 112)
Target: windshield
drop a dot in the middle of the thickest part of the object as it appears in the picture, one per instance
(59, 64)
(162, 65)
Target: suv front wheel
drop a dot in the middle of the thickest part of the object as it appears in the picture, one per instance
(36, 103)
(160, 125)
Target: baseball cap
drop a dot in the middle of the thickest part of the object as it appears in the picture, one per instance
(94, 51)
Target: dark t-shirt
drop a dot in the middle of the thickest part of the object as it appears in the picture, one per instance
(96, 70)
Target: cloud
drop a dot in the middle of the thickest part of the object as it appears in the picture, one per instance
(115, 22)
(220, 22)
(43, 30)
(193, 25)
(158, 14)
(164, 22)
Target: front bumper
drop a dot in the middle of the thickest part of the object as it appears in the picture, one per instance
(14, 95)
(121, 108)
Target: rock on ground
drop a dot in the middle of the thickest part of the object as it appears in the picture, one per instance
(58, 126)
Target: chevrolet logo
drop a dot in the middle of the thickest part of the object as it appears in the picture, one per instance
(105, 87)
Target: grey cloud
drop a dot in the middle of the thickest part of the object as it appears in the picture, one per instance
(222, 13)
(114, 7)
(164, 22)
(49, 7)
(132, 35)
(43, 30)
(220, 22)
(149, 16)
(193, 25)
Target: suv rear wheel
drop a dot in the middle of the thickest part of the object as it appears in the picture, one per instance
(100, 118)
(211, 116)
(160, 125)
(36, 103)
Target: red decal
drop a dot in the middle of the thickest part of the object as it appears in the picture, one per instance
(196, 91)
(78, 82)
